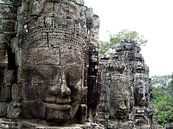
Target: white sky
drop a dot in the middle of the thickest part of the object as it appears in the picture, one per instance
(151, 18)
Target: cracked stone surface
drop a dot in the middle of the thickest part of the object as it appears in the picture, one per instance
(48, 63)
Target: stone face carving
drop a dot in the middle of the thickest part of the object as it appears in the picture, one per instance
(52, 78)
(52, 74)
(126, 90)
(119, 97)
(141, 92)
(117, 94)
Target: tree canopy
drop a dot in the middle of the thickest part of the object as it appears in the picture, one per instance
(163, 98)
(122, 36)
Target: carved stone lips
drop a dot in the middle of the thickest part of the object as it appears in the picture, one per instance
(58, 100)
(63, 101)
(60, 104)
(143, 103)
(55, 106)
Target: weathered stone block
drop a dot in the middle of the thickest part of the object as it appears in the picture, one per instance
(5, 93)
(7, 124)
(13, 110)
(3, 109)
(7, 26)
(3, 55)
(16, 92)
(8, 77)
(80, 2)
(33, 109)
(28, 125)
(6, 11)
(8, 2)
(4, 40)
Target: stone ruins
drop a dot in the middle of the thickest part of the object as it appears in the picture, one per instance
(125, 101)
(51, 76)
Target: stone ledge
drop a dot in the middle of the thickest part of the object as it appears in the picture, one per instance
(5, 124)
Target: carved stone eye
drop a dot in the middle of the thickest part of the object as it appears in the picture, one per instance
(25, 28)
(73, 74)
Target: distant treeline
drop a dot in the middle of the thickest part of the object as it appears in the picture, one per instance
(163, 98)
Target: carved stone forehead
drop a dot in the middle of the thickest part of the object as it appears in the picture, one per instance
(61, 55)
(70, 54)
(58, 47)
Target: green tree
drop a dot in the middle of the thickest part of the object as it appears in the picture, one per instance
(122, 36)
(163, 103)
(171, 85)
(163, 98)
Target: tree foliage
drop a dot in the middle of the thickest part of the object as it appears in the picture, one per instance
(163, 98)
(122, 36)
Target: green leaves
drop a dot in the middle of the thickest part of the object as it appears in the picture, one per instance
(162, 99)
(128, 36)
(105, 46)
(122, 36)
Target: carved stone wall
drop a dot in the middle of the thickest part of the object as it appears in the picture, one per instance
(126, 92)
(48, 63)
(8, 10)
(50, 75)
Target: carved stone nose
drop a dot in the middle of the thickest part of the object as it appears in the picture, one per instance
(55, 90)
(61, 90)
(123, 106)
(143, 98)
(65, 91)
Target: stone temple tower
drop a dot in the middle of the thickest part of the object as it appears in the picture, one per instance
(48, 64)
(125, 101)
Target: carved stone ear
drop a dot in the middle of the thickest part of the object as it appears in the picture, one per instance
(84, 91)
(81, 113)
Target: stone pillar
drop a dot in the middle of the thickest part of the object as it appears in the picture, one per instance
(8, 12)
(93, 24)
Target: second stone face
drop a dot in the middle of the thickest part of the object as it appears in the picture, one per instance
(126, 90)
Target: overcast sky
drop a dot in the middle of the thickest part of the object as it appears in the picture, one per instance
(151, 18)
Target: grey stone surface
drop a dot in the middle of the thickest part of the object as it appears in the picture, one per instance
(50, 72)
(13, 110)
(80, 2)
(48, 62)
(7, 124)
(126, 89)
(3, 109)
